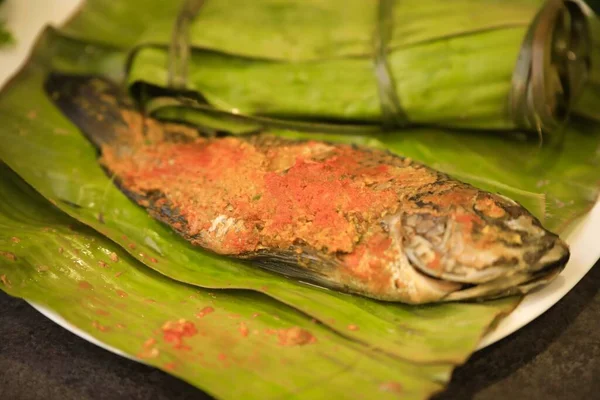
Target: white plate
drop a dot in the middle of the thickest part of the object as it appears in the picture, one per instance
(27, 18)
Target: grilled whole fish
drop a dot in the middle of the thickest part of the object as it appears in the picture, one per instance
(353, 219)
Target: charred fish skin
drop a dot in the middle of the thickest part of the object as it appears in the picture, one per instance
(354, 219)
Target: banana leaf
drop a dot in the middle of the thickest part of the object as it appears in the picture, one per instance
(6, 38)
(66, 172)
(557, 181)
(208, 339)
(387, 63)
(271, 29)
(588, 101)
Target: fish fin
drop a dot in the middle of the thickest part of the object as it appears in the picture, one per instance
(298, 263)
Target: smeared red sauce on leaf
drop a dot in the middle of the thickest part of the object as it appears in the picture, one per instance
(5, 281)
(205, 311)
(170, 366)
(100, 327)
(295, 336)
(392, 387)
(176, 331)
(243, 328)
(8, 255)
(84, 285)
(148, 349)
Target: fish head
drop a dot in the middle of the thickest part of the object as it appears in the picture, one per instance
(485, 244)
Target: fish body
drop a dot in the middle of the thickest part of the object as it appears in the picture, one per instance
(350, 218)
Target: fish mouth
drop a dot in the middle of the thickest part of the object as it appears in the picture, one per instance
(512, 282)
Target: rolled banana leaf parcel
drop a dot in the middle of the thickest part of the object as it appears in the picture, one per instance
(92, 140)
(367, 65)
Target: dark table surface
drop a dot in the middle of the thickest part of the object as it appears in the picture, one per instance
(557, 356)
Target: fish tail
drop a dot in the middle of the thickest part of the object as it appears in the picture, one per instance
(94, 105)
